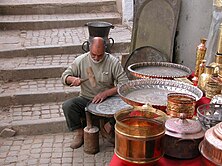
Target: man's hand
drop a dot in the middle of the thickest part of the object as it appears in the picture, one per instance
(100, 97)
(73, 81)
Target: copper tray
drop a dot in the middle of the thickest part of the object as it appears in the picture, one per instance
(159, 70)
(108, 107)
(154, 91)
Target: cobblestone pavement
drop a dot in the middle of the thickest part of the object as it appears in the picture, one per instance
(50, 150)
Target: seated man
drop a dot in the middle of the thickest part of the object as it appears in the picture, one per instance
(108, 73)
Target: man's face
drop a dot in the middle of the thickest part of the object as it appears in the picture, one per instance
(97, 53)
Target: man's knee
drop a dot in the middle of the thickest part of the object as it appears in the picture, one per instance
(66, 106)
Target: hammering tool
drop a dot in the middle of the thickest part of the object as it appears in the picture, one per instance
(91, 77)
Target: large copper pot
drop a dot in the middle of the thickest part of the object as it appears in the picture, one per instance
(139, 134)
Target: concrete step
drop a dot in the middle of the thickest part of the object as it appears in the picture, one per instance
(51, 149)
(36, 67)
(35, 91)
(20, 43)
(26, 7)
(37, 22)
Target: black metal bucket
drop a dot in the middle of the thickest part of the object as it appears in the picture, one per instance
(99, 29)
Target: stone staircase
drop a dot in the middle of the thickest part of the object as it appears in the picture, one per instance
(38, 40)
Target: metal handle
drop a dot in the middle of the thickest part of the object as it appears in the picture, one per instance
(85, 44)
(84, 80)
(112, 42)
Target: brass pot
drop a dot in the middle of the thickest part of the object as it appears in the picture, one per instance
(182, 138)
(139, 134)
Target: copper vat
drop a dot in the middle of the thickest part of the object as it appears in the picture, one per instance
(139, 134)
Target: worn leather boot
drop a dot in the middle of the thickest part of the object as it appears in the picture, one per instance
(78, 139)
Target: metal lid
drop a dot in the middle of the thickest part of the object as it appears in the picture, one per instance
(184, 128)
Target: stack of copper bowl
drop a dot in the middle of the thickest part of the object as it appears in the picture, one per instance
(139, 133)
(178, 103)
(211, 146)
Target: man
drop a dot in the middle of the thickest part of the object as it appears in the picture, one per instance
(108, 73)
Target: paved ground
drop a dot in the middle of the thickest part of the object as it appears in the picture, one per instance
(50, 150)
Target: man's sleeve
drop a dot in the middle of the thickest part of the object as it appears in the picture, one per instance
(119, 74)
(72, 70)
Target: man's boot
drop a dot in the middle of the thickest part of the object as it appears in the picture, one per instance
(78, 139)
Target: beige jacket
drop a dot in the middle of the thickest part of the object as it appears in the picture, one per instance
(108, 74)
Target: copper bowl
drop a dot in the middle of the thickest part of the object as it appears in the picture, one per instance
(139, 135)
(211, 147)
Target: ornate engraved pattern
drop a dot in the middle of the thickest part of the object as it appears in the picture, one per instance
(209, 114)
(154, 91)
(108, 107)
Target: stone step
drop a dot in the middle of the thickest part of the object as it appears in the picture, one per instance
(31, 119)
(36, 67)
(19, 43)
(37, 22)
(26, 7)
(35, 91)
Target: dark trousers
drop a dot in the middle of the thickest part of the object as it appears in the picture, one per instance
(74, 111)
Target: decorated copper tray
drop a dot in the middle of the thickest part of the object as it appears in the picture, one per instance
(154, 91)
(159, 70)
(108, 107)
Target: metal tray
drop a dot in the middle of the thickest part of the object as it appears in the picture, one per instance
(154, 91)
(108, 107)
(159, 70)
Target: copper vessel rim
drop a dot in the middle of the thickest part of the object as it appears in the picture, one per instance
(191, 100)
(166, 64)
